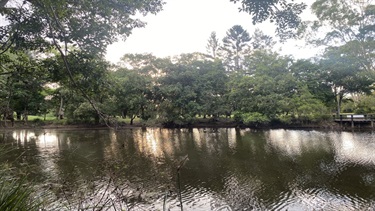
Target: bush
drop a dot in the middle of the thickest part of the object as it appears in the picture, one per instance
(255, 118)
(252, 118)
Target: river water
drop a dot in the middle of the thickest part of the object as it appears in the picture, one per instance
(211, 169)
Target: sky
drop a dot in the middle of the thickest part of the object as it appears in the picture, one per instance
(184, 26)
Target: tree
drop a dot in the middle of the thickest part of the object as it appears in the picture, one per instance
(305, 107)
(310, 73)
(285, 13)
(91, 25)
(213, 45)
(144, 64)
(22, 83)
(91, 74)
(236, 43)
(192, 85)
(366, 105)
(261, 41)
(132, 94)
(346, 27)
(346, 23)
(344, 74)
(265, 87)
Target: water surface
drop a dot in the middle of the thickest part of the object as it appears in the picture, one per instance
(226, 169)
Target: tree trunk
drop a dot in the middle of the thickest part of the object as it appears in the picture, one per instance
(97, 119)
(60, 113)
(339, 100)
(18, 114)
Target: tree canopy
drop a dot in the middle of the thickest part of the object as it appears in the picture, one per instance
(284, 13)
(90, 25)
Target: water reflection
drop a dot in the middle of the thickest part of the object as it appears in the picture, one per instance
(227, 169)
(296, 143)
(357, 149)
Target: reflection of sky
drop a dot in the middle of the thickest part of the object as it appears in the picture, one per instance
(47, 145)
(349, 147)
(294, 143)
(43, 140)
(23, 135)
(153, 142)
(355, 148)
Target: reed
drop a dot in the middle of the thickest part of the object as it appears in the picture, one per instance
(15, 194)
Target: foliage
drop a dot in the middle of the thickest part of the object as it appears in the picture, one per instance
(251, 118)
(366, 105)
(285, 13)
(235, 46)
(14, 195)
(23, 83)
(344, 74)
(191, 87)
(133, 94)
(255, 118)
(91, 25)
(213, 45)
(304, 107)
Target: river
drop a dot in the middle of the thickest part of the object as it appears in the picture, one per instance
(212, 169)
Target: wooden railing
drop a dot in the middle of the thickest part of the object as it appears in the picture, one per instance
(355, 118)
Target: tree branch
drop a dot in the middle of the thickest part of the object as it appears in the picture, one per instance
(66, 64)
(3, 3)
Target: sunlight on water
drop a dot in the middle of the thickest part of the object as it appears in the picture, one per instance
(295, 143)
(226, 169)
(355, 149)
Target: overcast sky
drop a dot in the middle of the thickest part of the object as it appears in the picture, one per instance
(185, 25)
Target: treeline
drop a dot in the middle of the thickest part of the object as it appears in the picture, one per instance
(240, 77)
(264, 88)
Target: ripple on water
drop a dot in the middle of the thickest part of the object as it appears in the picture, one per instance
(318, 199)
(240, 192)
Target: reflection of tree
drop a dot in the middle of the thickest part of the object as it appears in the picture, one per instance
(226, 167)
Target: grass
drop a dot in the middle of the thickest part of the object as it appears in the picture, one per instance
(127, 120)
(15, 194)
(34, 118)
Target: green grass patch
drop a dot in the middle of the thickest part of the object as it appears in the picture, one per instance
(127, 120)
(34, 118)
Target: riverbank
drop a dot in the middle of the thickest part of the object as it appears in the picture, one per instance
(202, 123)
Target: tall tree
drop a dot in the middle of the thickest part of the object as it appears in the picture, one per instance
(261, 40)
(213, 45)
(236, 43)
